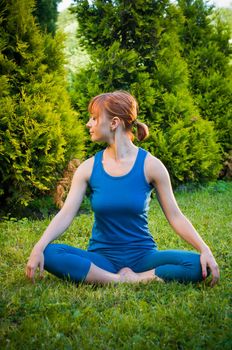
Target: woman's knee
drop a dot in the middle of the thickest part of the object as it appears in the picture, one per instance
(63, 261)
(54, 248)
(51, 253)
(196, 269)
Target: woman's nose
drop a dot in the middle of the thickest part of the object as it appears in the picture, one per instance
(88, 124)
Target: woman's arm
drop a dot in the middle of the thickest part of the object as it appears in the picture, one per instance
(157, 174)
(63, 218)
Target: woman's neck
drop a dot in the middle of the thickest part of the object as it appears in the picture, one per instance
(121, 148)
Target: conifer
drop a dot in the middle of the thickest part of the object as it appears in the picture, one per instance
(207, 50)
(46, 12)
(39, 132)
(135, 46)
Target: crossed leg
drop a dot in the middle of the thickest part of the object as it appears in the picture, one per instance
(79, 265)
(169, 265)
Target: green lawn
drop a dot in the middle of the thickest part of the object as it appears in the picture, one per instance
(53, 314)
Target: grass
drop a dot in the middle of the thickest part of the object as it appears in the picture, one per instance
(53, 314)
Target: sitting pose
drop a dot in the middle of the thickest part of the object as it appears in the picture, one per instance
(121, 178)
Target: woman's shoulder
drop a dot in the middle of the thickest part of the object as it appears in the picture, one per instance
(85, 168)
(152, 160)
(88, 162)
(154, 168)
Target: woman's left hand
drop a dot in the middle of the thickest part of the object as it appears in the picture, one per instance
(207, 260)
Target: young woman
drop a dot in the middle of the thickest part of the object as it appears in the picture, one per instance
(121, 178)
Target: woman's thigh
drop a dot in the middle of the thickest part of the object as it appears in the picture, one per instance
(180, 265)
(74, 263)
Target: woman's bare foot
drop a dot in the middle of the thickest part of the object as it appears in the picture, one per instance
(149, 276)
(128, 275)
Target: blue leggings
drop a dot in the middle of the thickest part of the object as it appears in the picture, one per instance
(73, 263)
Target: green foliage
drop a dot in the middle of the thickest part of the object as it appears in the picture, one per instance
(226, 16)
(113, 69)
(135, 25)
(39, 132)
(135, 46)
(54, 314)
(207, 49)
(189, 149)
(46, 13)
(185, 142)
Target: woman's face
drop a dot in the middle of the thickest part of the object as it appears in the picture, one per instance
(99, 127)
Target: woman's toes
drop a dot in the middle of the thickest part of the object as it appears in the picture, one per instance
(158, 279)
(128, 275)
(125, 270)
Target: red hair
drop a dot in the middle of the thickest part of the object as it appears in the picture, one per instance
(119, 104)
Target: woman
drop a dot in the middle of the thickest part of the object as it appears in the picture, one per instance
(121, 178)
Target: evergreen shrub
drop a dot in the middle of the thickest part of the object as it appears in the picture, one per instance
(207, 49)
(147, 61)
(39, 131)
(189, 150)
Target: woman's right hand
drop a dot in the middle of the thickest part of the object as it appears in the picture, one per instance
(36, 260)
(63, 218)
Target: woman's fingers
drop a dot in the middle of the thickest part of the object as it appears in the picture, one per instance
(215, 274)
(30, 273)
(203, 267)
(207, 260)
(41, 267)
(36, 260)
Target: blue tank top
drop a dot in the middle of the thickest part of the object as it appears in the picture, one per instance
(120, 205)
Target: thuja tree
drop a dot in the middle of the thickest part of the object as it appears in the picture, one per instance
(39, 132)
(112, 69)
(135, 46)
(47, 13)
(179, 136)
(207, 50)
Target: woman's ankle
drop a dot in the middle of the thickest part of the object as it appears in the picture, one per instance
(149, 275)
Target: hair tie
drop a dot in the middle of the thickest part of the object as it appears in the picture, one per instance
(135, 122)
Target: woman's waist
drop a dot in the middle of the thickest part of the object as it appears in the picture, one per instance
(121, 246)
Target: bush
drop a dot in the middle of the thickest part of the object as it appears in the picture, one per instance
(39, 131)
(142, 54)
(189, 149)
(207, 49)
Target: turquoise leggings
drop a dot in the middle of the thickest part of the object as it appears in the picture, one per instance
(73, 263)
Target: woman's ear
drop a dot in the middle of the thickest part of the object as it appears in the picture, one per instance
(115, 121)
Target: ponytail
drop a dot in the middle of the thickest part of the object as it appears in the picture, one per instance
(142, 130)
(124, 106)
